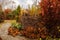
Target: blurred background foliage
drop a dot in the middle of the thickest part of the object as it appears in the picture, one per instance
(47, 13)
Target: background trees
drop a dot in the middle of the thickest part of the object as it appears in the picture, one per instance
(1, 14)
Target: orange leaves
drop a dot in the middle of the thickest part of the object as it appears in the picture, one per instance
(7, 10)
(13, 31)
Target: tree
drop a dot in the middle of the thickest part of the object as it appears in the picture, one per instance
(51, 15)
(17, 12)
(1, 14)
(33, 10)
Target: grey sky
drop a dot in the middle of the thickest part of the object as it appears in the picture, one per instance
(22, 3)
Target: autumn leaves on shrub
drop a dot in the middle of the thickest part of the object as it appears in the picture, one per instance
(36, 22)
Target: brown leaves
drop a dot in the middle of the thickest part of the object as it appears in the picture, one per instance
(0, 38)
(34, 32)
(13, 31)
(51, 11)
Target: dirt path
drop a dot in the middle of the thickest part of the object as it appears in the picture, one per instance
(4, 32)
